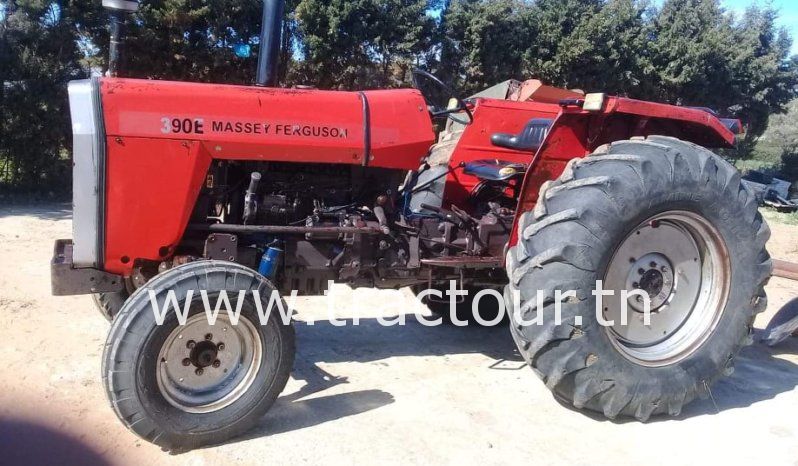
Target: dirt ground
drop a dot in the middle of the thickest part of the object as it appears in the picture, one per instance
(368, 394)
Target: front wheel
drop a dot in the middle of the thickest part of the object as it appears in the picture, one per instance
(109, 304)
(659, 216)
(195, 383)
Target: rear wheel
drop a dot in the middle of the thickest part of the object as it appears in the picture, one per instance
(658, 215)
(185, 386)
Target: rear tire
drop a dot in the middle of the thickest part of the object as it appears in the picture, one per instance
(186, 386)
(570, 241)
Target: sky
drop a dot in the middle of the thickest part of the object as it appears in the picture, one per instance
(788, 14)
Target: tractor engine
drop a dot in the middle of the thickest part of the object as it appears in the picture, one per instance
(364, 226)
(305, 211)
(285, 193)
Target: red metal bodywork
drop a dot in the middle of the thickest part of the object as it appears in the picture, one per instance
(574, 133)
(491, 116)
(155, 167)
(162, 137)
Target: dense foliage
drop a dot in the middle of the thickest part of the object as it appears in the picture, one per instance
(688, 52)
(776, 152)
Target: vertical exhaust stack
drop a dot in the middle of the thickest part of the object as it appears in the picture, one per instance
(271, 28)
(118, 9)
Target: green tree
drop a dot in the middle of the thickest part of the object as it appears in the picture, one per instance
(687, 52)
(38, 56)
(189, 40)
(691, 51)
(702, 56)
(362, 43)
(763, 79)
(483, 42)
(780, 141)
(554, 22)
(607, 51)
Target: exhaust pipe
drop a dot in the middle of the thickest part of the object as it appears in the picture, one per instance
(271, 28)
(118, 9)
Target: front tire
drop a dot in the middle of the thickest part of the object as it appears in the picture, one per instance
(109, 304)
(661, 215)
(186, 386)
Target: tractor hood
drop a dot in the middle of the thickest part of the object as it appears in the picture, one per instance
(390, 129)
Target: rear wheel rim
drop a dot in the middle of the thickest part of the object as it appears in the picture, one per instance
(203, 368)
(681, 261)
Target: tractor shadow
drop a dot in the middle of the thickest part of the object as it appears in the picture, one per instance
(33, 443)
(367, 342)
(760, 373)
(295, 411)
(371, 341)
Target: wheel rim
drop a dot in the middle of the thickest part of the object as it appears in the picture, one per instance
(204, 368)
(681, 261)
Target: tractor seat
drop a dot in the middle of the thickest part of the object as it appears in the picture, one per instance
(494, 170)
(529, 139)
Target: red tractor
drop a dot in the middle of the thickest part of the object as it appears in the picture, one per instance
(528, 189)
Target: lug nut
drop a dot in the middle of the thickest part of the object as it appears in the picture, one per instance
(641, 271)
(664, 269)
(220, 346)
(652, 264)
(190, 344)
(199, 371)
(217, 363)
(187, 362)
(635, 285)
(209, 336)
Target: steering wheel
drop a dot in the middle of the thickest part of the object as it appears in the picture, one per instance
(437, 112)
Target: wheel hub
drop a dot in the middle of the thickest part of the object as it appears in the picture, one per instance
(680, 260)
(203, 354)
(653, 274)
(203, 368)
(651, 282)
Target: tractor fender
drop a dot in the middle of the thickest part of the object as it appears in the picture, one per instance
(576, 133)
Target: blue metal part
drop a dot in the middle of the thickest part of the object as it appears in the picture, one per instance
(269, 262)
